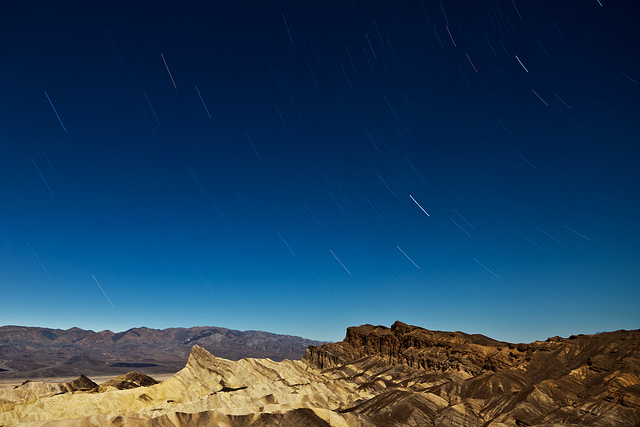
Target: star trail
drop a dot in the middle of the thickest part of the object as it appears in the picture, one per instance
(300, 167)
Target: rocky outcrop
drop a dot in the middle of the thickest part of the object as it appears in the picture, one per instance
(585, 379)
(124, 382)
(30, 390)
(412, 346)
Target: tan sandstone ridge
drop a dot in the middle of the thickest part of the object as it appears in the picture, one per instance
(377, 376)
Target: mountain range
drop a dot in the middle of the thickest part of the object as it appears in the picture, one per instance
(32, 352)
(397, 376)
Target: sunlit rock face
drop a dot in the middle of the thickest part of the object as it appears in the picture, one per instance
(222, 391)
(377, 376)
(37, 389)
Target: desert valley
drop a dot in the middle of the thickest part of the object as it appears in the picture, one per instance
(377, 376)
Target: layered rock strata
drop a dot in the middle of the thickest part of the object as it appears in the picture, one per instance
(580, 380)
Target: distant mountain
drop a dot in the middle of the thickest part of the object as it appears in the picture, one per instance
(31, 352)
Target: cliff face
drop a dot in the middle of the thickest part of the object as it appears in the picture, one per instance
(587, 379)
(413, 346)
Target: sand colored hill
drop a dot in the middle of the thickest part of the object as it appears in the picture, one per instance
(29, 390)
(207, 388)
(377, 376)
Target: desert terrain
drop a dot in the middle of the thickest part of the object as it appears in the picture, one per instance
(377, 376)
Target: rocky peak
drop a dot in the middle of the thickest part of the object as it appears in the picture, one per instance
(81, 383)
(127, 381)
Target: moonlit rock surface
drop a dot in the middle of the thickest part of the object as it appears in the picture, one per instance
(208, 388)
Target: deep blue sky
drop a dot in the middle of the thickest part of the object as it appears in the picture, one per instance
(300, 167)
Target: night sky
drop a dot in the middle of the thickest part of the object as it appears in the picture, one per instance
(299, 167)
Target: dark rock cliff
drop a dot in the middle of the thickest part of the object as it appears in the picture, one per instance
(583, 380)
(416, 347)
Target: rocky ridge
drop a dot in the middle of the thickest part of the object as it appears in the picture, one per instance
(584, 380)
(209, 389)
(30, 390)
(377, 376)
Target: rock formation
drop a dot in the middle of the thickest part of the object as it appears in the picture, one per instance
(30, 390)
(124, 382)
(377, 376)
(584, 380)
